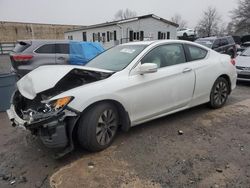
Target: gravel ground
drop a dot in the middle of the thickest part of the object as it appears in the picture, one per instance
(213, 151)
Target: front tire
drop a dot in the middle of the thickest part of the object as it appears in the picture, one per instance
(219, 93)
(98, 127)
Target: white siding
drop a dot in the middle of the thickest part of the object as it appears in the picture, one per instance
(149, 26)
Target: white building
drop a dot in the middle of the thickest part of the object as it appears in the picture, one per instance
(147, 27)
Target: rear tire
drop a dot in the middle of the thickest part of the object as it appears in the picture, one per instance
(98, 126)
(219, 93)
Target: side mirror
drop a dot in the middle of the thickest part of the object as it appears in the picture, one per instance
(148, 68)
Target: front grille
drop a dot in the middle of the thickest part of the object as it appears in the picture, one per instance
(243, 76)
(242, 68)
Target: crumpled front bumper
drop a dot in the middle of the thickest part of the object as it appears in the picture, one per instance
(51, 130)
(15, 119)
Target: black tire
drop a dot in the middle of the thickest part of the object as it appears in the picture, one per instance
(185, 35)
(219, 93)
(97, 127)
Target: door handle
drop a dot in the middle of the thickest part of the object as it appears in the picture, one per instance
(187, 70)
(61, 58)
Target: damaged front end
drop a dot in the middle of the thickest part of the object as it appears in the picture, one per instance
(46, 119)
(35, 106)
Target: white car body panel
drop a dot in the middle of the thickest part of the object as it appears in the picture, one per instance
(244, 63)
(143, 96)
(45, 77)
(189, 32)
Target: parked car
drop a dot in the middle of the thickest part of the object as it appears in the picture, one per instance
(243, 46)
(125, 86)
(30, 54)
(243, 65)
(185, 32)
(225, 45)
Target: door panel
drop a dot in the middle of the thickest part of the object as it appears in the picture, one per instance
(157, 93)
(44, 55)
(168, 89)
(62, 53)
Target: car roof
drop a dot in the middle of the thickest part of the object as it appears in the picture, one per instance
(214, 38)
(166, 41)
(45, 41)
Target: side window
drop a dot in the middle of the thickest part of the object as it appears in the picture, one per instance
(62, 48)
(224, 42)
(216, 44)
(166, 55)
(46, 49)
(230, 40)
(196, 53)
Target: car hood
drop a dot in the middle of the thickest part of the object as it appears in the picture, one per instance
(46, 77)
(242, 61)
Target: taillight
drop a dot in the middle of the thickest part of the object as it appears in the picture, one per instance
(20, 58)
(233, 61)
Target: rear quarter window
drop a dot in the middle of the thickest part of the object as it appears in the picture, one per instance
(196, 53)
(46, 49)
(21, 46)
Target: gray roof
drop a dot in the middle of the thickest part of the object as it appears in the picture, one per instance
(123, 21)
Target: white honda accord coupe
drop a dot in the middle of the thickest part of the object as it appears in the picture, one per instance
(125, 86)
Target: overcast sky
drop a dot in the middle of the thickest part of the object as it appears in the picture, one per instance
(88, 12)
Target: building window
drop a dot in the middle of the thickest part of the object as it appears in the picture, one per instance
(84, 36)
(141, 35)
(103, 37)
(134, 35)
(70, 37)
(99, 37)
(131, 36)
(162, 35)
(115, 35)
(111, 36)
(93, 36)
(168, 35)
(108, 36)
(159, 35)
(137, 35)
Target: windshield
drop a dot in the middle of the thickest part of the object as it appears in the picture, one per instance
(207, 43)
(246, 52)
(116, 58)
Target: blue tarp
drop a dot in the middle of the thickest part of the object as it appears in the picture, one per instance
(83, 52)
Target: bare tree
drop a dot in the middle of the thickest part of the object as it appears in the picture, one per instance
(222, 29)
(241, 17)
(231, 28)
(209, 23)
(178, 19)
(124, 14)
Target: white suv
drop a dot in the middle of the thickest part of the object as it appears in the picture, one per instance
(185, 32)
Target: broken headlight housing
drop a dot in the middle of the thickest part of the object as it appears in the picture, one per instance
(47, 109)
(57, 104)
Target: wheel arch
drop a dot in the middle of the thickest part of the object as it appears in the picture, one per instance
(226, 77)
(124, 119)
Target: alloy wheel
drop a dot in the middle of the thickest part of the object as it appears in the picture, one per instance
(220, 93)
(106, 127)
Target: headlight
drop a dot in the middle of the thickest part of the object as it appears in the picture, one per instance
(58, 103)
(62, 102)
